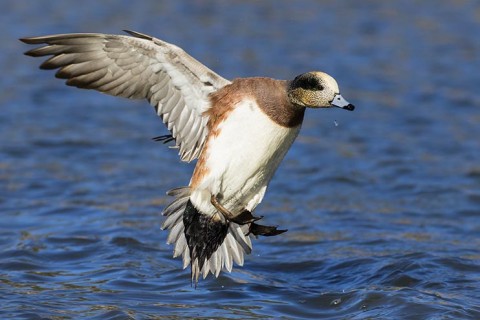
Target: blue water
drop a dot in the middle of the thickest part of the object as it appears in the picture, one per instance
(383, 209)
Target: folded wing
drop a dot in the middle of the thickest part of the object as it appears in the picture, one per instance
(138, 67)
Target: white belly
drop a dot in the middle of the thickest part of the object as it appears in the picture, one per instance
(242, 159)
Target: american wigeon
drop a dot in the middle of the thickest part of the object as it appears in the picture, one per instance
(238, 130)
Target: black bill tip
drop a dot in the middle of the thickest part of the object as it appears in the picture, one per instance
(349, 107)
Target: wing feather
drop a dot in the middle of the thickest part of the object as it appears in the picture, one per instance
(138, 67)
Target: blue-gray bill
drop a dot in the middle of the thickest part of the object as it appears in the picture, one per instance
(339, 102)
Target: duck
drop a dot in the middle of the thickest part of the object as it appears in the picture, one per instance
(237, 131)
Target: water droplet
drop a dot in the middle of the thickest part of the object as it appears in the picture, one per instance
(335, 122)
(336, 302)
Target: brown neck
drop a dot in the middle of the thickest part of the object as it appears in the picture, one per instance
(271, 96)
(273, 100)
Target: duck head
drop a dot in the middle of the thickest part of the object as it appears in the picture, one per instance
(316, 90)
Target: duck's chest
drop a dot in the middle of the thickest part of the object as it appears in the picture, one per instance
(247, 149)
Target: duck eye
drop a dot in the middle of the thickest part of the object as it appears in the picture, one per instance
(310, 83)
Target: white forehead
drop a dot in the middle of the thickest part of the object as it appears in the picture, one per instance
(328, 81)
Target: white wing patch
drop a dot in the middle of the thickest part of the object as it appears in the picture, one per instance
(138, 67)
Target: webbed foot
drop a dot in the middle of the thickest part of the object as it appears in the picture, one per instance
(267, 231)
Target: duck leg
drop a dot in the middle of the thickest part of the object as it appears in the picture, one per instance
(242, 218)
(246, 217)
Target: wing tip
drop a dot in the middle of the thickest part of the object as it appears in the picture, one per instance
(32, 40)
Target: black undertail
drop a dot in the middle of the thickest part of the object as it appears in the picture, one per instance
(204, 235)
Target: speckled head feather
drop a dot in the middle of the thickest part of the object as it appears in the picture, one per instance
(313, 90)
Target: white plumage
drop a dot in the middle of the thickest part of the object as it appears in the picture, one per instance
(240, 169)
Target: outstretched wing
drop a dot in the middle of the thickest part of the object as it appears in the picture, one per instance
(138, 67)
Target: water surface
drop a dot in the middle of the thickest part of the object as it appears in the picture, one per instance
(382, 210)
